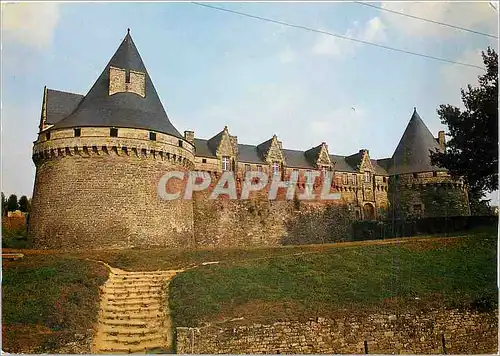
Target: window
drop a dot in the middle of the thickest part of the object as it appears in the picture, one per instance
(180, 143)
(47, 135)
(113, 132)
(344, 178)
(417, 209)
(276, 168)
(434, 174)
(259, 168)
(203, 160)
(354, 179)
(78, 132)
(226, 163)
(152, 136)
(368, 177)
(384, 180)
(127, 76)
(247, 168)
(415, 175)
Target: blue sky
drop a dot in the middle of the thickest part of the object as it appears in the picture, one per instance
(213, 69)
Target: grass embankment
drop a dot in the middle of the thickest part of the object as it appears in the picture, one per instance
(47, 300)
(457, 272)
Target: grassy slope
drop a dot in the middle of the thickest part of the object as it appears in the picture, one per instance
(46, 299)
(452, 272)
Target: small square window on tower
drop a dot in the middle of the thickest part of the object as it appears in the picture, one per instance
(203, 160)
(180, 143)
(47, 135)
(113, 132)
(78, 132)
(152, 136)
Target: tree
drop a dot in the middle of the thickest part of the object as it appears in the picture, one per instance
(472, 150)
(24, 204)
(12, 203)
(4, 205)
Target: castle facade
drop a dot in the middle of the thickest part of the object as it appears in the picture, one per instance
(99, 158)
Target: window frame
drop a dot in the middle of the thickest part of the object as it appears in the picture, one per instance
(226, 161)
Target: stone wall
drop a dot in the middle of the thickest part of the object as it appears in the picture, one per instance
(259, 221)
(436, 194)
(464, 332)
(106, 201)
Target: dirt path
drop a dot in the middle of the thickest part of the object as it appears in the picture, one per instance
(134, 315)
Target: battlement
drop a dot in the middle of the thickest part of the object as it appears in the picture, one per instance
(96, 141)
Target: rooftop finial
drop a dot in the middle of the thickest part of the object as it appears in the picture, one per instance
(128, 31)
(414, 108)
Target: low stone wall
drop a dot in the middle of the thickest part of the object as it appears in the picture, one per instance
(464, 332)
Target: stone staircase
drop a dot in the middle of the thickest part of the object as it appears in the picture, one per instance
(134, 316)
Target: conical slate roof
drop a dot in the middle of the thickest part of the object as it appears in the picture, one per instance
(130, 110)
(413, 152)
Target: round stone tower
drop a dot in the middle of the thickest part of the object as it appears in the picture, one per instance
(99, 159)
(416, 187)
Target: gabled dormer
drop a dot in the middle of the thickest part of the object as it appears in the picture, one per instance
(319, 156)
(271, 151)
(225, 148)
(123, 80)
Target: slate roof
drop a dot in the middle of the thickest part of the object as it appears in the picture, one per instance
(293, 158)
(130, 110)
(341, 164)
(60, 104)
(412, 155)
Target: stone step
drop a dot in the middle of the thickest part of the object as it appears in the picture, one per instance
(145, 274)
(122, 277)
(111, 300)
(131, 316)
(135, 340)
(129, 330)
(128, 323)
(121, 282)
(113, 347)
(133, 292)
(133, 285)
(133, 295)
(131, 308)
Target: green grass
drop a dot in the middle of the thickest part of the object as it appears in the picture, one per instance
(46, 299)
(459, 272)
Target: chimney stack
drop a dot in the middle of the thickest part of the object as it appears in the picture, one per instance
(189, 136)
(441, 140)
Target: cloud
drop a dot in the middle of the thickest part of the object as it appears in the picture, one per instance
(474, 15)
(374, 30)
(31, 24)
(333, 125)
(287, 56)
(456, 76)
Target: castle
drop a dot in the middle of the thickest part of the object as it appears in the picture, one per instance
(100, 156)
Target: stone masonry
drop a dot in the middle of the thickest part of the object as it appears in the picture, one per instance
(99, 159)
(429, 332)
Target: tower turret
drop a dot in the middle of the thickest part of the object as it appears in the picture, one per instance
(99, 158)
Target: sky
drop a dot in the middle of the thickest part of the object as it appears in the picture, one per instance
(213, 69)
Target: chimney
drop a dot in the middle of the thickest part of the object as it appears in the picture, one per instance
(441, 140)
(280, 145)
(234, 144)
(189, 136)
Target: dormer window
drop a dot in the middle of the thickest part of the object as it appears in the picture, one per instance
(368, 177)
(226, 163)
(276, 168)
